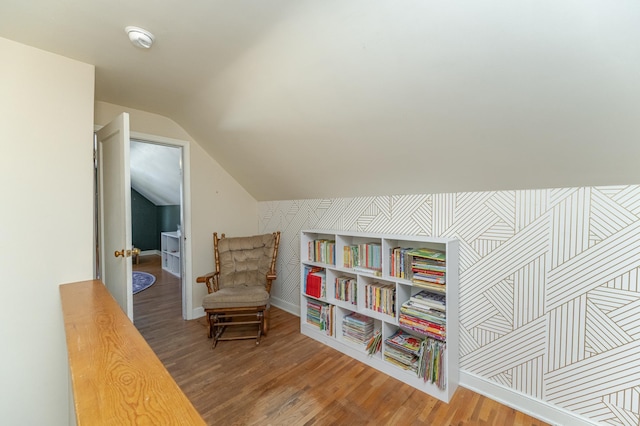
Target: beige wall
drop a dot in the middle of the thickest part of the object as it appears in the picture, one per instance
(46, 181)
(218, 202)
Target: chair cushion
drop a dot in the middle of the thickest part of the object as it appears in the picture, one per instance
(245, 261)
(240, 296)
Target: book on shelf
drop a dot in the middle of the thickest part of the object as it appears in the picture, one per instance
(438, 288)
(429, 254)
(423, 312)
(371, 256)
(346, 289)
(375, 343)
(423, 327)
(380, 298)
(404, 341)
(365, 257)
(431, 363)
(315, 282)
(322, 251)
(350, 256)
(397, 263)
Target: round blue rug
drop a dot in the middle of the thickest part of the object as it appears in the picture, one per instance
(142, 281)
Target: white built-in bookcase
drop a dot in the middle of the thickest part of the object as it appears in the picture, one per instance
(384, 323)
(170, 246)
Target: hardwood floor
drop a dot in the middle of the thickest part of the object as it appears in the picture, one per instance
(289, 379)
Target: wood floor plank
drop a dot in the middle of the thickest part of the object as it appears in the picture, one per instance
(289, 379)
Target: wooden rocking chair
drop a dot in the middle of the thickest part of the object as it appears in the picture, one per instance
(240, 287)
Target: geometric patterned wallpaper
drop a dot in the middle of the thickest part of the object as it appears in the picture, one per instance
(549, 283)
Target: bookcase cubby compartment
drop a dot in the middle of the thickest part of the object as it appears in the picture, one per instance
(378, 298)
(379, 292)
(345, 289)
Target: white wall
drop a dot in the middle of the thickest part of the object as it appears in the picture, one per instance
(218, 202)
(549, 287)
(46, 231)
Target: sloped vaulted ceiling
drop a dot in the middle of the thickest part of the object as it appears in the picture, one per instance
(155, 172)
(305, 99)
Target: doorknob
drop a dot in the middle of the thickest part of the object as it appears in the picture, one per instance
(123, 253)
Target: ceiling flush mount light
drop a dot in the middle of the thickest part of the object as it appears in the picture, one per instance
(139, 37)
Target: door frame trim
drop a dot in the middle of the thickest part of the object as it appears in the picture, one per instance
(186, 266)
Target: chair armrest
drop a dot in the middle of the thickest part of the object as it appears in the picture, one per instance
(211, 280)
(270, 278)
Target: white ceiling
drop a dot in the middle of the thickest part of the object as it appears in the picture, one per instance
(155, 172)
(390, 97)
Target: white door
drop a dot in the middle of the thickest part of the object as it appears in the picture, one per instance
(114, 211)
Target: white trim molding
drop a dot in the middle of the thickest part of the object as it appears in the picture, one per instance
(533, 407)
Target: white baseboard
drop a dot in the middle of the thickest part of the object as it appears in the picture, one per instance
(531, 406)
(197, 312)
(285, 306)
(150, 253)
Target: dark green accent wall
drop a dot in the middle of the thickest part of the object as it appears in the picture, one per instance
(144, 222)
(149, 220)
(168, 219)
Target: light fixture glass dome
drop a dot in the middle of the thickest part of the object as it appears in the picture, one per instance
(140, 37)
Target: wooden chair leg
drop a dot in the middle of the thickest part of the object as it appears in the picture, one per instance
(260, 316)
(265, 325)
(218, 329)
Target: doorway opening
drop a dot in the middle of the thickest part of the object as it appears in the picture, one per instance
(156, 211)
(160, 176)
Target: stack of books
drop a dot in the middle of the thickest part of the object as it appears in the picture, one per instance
(403, 350)
(425, 312)
(347, 289)
(428, 268)
(380, 298)
(320, 315)
(357, 328)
